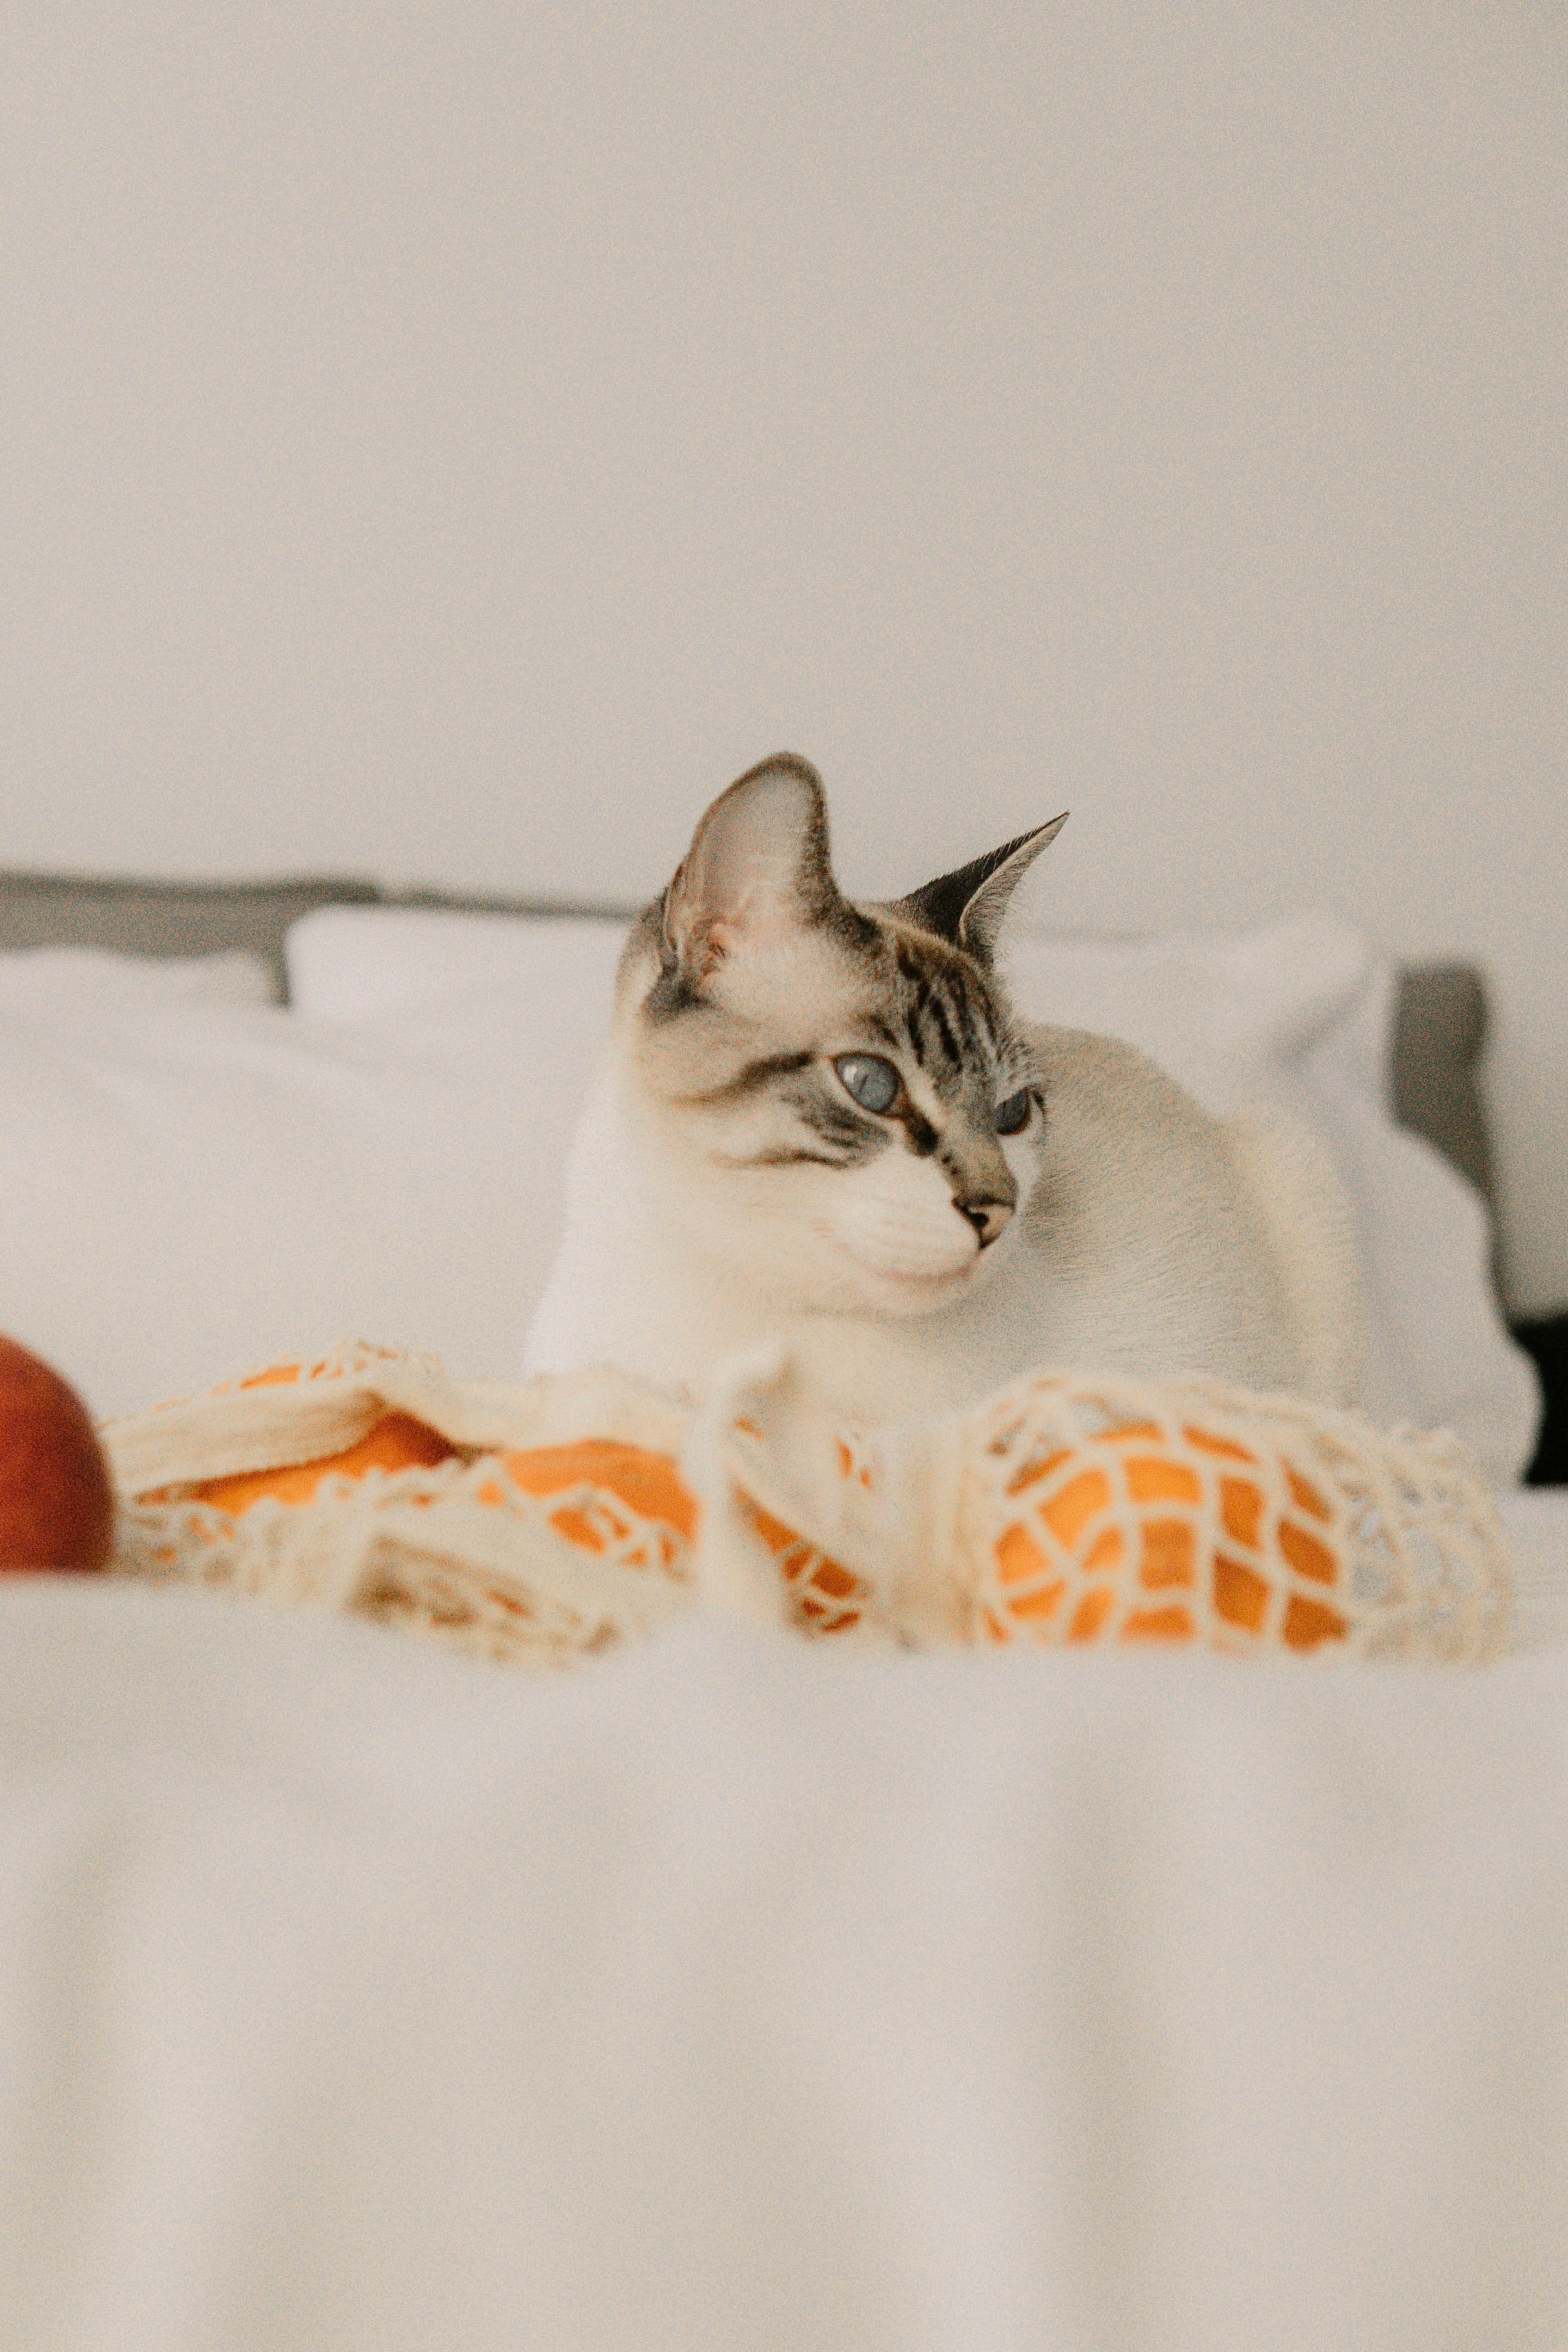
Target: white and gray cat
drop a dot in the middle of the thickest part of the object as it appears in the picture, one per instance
(822, 1122)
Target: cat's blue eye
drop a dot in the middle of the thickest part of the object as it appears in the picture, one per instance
(1013, 1116)
(868, 1080)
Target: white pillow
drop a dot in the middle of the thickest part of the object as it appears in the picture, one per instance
(1297, 1013)
(350, 963)
(1226, 1013)
(189, 1189)
(46, 976)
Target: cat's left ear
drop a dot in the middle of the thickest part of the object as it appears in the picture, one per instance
(758, 867)
(967, 906)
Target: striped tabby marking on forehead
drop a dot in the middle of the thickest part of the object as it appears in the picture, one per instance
(947, 1011)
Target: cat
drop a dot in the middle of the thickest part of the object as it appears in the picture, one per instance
(821, 1122)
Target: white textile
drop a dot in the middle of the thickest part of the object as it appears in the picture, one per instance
(733, 1993)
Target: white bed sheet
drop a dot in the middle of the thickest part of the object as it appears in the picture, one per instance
(738, 1994)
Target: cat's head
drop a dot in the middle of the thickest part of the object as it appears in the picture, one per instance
(840, 1101)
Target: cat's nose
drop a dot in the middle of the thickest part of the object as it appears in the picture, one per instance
(988, 1217)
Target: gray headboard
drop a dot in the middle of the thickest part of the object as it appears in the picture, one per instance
(1440, 1022)
(164, 919)
(1439, 1029)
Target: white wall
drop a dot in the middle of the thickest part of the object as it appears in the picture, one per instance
(449, 441)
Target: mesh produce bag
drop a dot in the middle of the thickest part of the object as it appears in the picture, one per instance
(555, 1519)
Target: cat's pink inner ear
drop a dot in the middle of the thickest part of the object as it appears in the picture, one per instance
(701, 931)
(757, 868)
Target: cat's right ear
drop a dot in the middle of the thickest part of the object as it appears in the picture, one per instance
(758, 868)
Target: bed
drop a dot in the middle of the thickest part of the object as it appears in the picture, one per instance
(730, 1992)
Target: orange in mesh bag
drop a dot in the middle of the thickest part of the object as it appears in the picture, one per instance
(1247, 1526)
(555, 1519)
(535, 1524)
(1077, 1509)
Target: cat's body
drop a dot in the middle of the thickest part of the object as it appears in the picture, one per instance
(1024, 1196)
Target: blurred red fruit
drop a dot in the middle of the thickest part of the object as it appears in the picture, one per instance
(57, 1507)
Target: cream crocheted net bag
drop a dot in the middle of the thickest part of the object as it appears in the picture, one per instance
(549, 1520)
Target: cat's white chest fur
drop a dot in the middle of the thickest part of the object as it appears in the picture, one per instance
(626, 1288)
(644, 1283)
(639, 1282)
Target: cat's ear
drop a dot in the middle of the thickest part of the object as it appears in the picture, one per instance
(967, 906)
(757, 868)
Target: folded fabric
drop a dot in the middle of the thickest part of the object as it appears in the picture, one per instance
(554, 1519)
